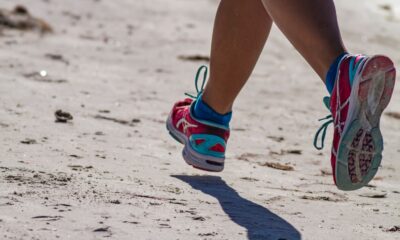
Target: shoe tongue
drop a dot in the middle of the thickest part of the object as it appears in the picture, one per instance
(327, 102)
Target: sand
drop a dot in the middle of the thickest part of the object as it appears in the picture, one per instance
(114, 172)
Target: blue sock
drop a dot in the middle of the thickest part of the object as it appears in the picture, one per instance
(203, 111)
(331, 75)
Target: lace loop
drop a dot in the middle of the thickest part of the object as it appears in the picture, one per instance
(323, 128)
(199, 91)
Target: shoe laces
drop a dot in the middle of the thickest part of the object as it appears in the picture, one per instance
(324, 127)
(202, 69)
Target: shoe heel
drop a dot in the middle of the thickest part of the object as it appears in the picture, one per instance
(376, 87)
(202, 162)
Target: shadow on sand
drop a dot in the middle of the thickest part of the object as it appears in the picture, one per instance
(261, 224)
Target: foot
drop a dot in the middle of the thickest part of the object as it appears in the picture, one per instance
(204, 142)
(363, 88)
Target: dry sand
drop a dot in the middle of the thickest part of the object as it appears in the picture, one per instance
(114, 172)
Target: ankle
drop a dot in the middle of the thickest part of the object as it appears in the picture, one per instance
(329, 59)
(218, 105)
(203, 111)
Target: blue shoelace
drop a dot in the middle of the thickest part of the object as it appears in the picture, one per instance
(199, 91)
(324, 126)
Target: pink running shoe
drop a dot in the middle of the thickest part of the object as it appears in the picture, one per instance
(205, 142)
(363, 88)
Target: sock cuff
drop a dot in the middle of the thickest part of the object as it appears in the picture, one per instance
(331, 74)
(203, 111)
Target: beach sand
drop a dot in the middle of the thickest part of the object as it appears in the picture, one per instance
(114, 172)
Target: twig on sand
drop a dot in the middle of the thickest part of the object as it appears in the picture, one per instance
(394, 115)
(131, 123)
(278, 166)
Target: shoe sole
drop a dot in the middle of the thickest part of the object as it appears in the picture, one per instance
(360, 148)
(191, 157)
